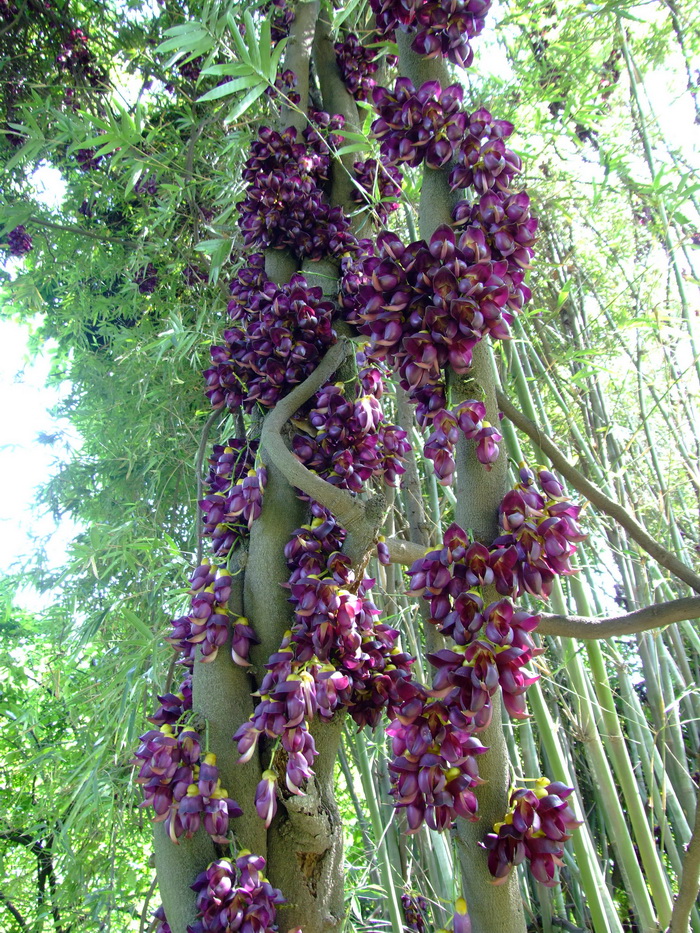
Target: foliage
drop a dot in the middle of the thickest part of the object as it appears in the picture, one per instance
(146, 114)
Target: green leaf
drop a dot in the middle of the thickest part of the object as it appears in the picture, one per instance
(243, 105)
(231, 87)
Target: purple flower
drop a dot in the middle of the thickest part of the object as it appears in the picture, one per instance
(19, 242)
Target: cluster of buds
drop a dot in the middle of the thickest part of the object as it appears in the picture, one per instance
(182, 784)
(352, 443)
(378, 185)
(19, 242)
(415, 909)
(281, 334)
(469, 419)
(426, 124)
(147, 185)
(284, 204)
(147, 279)
(434, 770)
(441, 27)
(535, 827)
(236, 896)
(207, 624)
(282, 19)
(234, 494)
(76, 58)
(357, 63)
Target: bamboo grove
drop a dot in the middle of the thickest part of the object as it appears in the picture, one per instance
(426, 526)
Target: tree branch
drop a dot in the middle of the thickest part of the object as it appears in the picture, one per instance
(598, 498)
(71, 228)
(689, 883)
(21, 923)
(641, 620)
(349, 512)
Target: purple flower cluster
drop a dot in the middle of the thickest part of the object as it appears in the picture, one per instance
(76, 58)
(236, 897)
(357, 63)
(492, 646)
(468, 417)
(207, 624)
(285, 84)
(415, 909)
(336, 654)
(498, 226)
(379, 185)
(87, 160)
(434, 769)
(483, 162)
(194, 275)
(425, 306)
(147, 185)
(442, 27)
(537, 824)
(182, 784)
(352, 442)
(284, 204)
(413, 126)
(191, 70)
(540, 536)
(147, 279)
(282, 19)
(280, 334)
(234, 494)
(19, 242)
(163, 925)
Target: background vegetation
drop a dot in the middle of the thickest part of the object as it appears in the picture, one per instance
(607, 362)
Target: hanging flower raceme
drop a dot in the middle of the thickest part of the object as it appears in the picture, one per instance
(234, 896)
(535, 827)
(441, 27)
(352, 442)
(284, 204)
(336, 655)
(277, 340)
(19, 242)
(434, 769)
(207, 625)
(234, 494)
(182, 784)
(416, 125)
(147, 279)
(357, 63)
(75, 57)
(415, 909)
